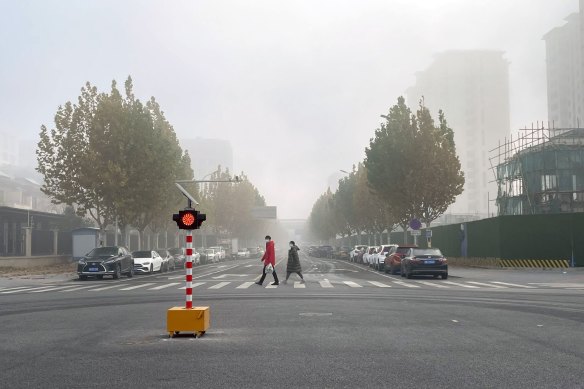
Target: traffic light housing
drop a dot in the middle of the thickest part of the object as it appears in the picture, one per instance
(189, 219)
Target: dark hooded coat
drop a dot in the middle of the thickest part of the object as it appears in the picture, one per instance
(293, 260)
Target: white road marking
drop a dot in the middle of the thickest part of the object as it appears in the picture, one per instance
(51, 289)
(326, 284)
(164, 286)
(104, 288)
(298, 285)
(219, 285)
(515, 285)
(487, 285)
(457, 284)
(434, 284)
(138, 286)
(270, 286)
(405, 284)
(194, 285)
(380, 284)
(245, 285)
(14, 288)
(77, 288)
(250, 265)
(352, 284)
(28, 289)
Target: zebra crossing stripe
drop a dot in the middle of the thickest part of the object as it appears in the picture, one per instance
(28, 289)
(436, 285)
(352, 284)
(405, 284)
(514, 285)
(194, 285)
(51, 289)
(270, 286)
(104, 288)
(138, 286)
(76, 288)
(487, 285)
(457, 284)
(164, 286)
(326, 284)
(219, 285)
(13, 288)
(380, 284)
(245, 285)
(298, 285)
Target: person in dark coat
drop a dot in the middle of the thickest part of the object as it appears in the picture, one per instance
(293, 263)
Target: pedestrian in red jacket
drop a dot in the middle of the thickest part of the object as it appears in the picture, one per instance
(269, 258)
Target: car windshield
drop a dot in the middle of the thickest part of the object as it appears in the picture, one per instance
(434, 252)
(402, 250)
(210, 251)
(175, 251)
(142, 254)
(103, 251)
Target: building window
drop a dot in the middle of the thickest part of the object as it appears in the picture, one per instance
(549, 182)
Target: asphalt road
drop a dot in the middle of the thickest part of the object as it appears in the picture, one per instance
(348, 327)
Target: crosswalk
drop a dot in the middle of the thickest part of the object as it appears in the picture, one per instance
(155, 285)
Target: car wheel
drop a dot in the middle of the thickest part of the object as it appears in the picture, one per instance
(435, 276)
(393, 270)
(130, 274)
(445, 276)
(408, 274)
(402, 272)
(82, 277)
(118, 272)
(151, 269)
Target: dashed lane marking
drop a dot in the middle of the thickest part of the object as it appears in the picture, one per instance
(219, 285)
(270, 286)
(104, 288)
(380, 284)
(405, 284)
(51, 289)
(164, 286)
(513, 285)
(138, 286)
(487, 285)
(326, 284)
(457, 284)
(245, 285)
(352, 284)
(434, 284)
(77, 288)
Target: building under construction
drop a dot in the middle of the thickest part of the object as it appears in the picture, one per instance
(542, 171)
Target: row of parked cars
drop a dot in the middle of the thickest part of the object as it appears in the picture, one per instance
(116, 261)
(407, 260)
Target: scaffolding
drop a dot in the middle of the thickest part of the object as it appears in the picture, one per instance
(541, 171)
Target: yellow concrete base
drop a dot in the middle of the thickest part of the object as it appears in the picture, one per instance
(180, 319)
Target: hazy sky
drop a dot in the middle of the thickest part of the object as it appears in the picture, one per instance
(296, 86)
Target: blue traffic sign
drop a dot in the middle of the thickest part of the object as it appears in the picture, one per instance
(415, 224)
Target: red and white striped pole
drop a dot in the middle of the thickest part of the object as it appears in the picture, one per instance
(189, 268)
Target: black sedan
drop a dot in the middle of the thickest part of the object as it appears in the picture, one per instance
(428, 261)
(110, 260)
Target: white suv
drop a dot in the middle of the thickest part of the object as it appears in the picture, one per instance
(368, 253)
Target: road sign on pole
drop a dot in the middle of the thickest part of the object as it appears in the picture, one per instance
(416, 233)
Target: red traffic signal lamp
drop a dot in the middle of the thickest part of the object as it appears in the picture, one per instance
(189, 219)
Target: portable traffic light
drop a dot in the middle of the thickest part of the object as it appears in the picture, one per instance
(189, 219)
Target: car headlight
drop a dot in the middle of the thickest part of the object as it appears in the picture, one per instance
(81, 262)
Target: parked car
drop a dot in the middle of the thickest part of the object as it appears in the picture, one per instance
(211, 255)
(179, 256)
(219, 252)
(243, 253)
(342, 252)
(429, 261)
(325, 251)
(393, 260)
(147, 261)
(368, 253)
(110, 260)
(378, 259)
(312, 251)
(167, 260)
(355, 252)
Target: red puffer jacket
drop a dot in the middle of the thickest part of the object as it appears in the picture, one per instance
(270, 254)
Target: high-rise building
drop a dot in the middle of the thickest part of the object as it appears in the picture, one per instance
(207, 154)
(472, 88)
(565, 73)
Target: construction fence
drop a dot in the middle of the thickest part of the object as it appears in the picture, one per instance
(545, 241)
